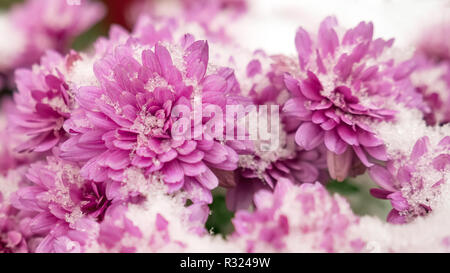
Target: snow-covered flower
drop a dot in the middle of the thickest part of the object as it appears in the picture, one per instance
(14, 233)
(260, 165)
(159, 223)
(343, 84)
(136, 229)
(297, 218)
(126, 121)
(67, 208)
(412, 182)
(262, 169)
(433, 82)
(43, 103)
(434, 42)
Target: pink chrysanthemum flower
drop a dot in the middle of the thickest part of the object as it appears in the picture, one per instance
(118, 226)
(147, 31)
(209, 16)
(262, 80)
(67, 207)
(434, 42)
(14, 235)
(40, 25)
(265, 85)
(127, 120)
(10, 159)
(260, 167)
(345, 83)
(58, 21)
(43, 103)
(433, 82)
(159, 223)
(12, 240)
(412, 183)
(284, 220)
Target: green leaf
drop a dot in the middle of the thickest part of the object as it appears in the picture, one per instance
(342, 188)
(87, 38)
(219, 222)
(5, 4)
(359, 197)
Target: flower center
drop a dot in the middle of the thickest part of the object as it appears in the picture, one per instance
(149, 124)
(95, 201)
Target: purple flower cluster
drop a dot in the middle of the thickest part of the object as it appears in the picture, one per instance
(63, 205)
(43, 103)
(259, 168)
(344, 84)
(123, 148)
(126, 121)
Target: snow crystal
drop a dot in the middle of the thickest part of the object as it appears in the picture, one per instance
(82, 72)
(424, 234)
(9, 183)
(401, 135)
